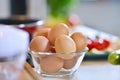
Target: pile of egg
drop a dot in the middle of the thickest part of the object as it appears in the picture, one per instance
(57, 40)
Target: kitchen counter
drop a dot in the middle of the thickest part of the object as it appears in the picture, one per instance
(89, 70)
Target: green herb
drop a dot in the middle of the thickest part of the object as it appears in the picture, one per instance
(60, 8)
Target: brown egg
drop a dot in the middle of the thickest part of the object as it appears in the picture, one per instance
(80, 40)
(68, 64)
(64, 45)
(57, 30)
(39, 44)
(51, 64)
(52, 49)
(42, 32)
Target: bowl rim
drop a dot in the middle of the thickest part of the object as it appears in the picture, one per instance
(52, 53)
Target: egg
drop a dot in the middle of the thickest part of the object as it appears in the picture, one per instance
(57, 30)
(80, 41)
(51, 64)
(39, 44)
(52, 49)
(42, 32)
(64, 46)
(68, 64)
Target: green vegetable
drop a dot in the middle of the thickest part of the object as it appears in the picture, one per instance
(114, 59)
(60, 8)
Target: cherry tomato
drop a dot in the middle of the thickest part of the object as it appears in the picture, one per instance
(90, 44)
(98, 43)
(101, 44)
(106, 43)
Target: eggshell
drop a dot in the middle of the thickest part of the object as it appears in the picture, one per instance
(57, 30)
(39, 44)
(42, 32)
(64, 45)
(52, 49)
(68, 64)
(51, 64)
(80, 41)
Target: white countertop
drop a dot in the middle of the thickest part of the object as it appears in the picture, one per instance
(93, 70)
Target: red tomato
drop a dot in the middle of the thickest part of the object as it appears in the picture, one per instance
(90, 44)
(106, 43)
(101, 44)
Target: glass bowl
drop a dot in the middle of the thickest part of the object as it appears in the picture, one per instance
(49, 64)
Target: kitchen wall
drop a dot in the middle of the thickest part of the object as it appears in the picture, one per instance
(4, 8)
(101, 15)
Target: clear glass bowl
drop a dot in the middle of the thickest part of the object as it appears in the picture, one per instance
(49, 64)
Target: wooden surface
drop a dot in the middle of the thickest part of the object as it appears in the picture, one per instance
(28, 73)
(25, 75)
(89, 70)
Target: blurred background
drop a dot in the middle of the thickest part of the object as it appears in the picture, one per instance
(103, 15)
